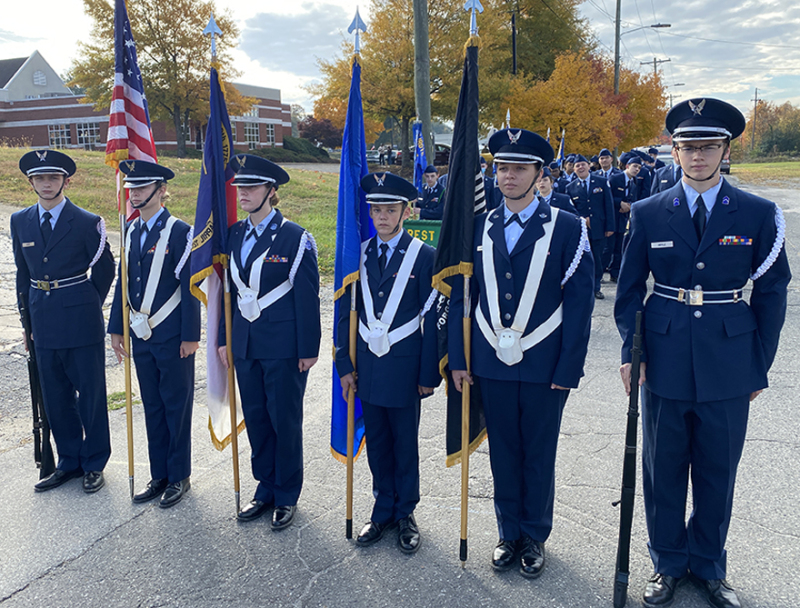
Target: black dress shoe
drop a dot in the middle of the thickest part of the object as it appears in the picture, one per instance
(504, 555)
(93, 481)
(155, 487)
(599, 295)
(718, 593)
(174, 492)
(283, 516)
(660, 590)
(253, 510)
(58, 478)
(408, 536)
(531, 557)
(371, 534)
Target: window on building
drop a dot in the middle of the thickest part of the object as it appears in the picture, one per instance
(88, 134)
(252, 112)
(39, 79)
(271, 135)
(60, 136)
(251, 136)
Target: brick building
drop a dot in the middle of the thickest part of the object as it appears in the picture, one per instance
(38, 110)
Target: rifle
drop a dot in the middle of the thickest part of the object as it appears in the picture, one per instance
(42, 450)
(628, 475)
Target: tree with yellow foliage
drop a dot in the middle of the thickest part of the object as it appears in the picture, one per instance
(579, 98)
(173, 55)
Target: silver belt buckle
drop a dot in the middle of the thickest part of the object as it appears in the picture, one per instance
(695, 297)
(43, 285)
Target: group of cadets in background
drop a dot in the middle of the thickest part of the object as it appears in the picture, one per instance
(540, 253)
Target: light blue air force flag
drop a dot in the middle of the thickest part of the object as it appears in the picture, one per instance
(420, 162)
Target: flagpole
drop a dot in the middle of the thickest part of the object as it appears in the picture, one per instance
(126, 335)
(465, 396)
(231, 381)
(351, 411)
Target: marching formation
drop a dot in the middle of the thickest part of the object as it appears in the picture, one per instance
(540, 252)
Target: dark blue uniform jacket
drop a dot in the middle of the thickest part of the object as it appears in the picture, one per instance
(597, 205)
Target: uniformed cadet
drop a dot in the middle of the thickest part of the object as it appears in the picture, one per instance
(431, 206)
(665, 178)
(165, 328)
(707, 350)
(657, 163)
(625, 192)
(555, 173)
(569, 169)
(545, 192)
(276, 334)
(607, 168)
(592, 198)
(532, 287)
(64, 272)
(397, 362)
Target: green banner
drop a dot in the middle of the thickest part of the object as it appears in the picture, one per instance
(426, 231)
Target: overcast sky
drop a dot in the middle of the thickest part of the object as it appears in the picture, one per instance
(746, 44)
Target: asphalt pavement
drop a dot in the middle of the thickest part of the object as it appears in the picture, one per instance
(65, 549)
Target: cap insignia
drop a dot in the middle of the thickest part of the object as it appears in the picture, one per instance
(42, 155)
(513, 137)
(697, 109)
(132, 165)
(380, 179)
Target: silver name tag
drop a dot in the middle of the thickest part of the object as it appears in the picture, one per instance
(661, 245)
(28, 244)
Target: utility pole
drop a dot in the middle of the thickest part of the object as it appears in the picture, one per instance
(422, 75)
(755, 115)
(514, 41)
(656, 63)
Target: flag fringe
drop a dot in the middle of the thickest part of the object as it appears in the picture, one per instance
(343, 459)
(463, 268)
(221, 445)
(112, 160)
(455, 458)
(346, 282)
(473, 40)
(199, 277)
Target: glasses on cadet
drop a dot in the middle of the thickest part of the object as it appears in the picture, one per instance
(707, 149)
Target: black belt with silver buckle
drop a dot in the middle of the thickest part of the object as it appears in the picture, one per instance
(697, 297)
(59, 283)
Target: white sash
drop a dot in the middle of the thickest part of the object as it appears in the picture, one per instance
(250, 305)
(509, 342)
(142, 322)
(376, 333)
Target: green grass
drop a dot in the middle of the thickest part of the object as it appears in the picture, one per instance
(764, 172)
(309, 198)
(116, 401)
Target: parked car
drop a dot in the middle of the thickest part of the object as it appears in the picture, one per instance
(442, 155)
(725, 167)
(373, 156)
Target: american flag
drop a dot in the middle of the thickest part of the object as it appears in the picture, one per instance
(129, 134)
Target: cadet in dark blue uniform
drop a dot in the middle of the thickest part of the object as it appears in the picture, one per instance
(64, 271)
(657, 163)
(665, 178)
(276, 334)
(165, 329)
(592, 198)
(545, 192)
(607, 168)
(532, 292)
(706, 350)
(625, 192)
(431, 206)
(397, 362)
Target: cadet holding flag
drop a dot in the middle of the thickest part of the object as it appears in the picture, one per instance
(706, 349)
(397, 361)
(64, 272)
(165, 323)
(275, 337)
(533, 286)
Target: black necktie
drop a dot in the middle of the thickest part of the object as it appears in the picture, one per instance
(47, 228)
(699, 218)
(516, 218)
(382, 257)
(252, 233)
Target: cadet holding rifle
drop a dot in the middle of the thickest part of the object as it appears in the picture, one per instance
(64, 271)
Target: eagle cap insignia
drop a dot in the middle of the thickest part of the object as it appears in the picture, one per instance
(513, 137)
(242, 159)
(42, 155)
(380, 179)
(697, 109)
(132, 166)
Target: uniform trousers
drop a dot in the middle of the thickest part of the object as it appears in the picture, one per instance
(74, 390)
(705, 440)
(523, 421)
(393, 455)
(612, 254)
(598, 245)
(272, 402)
(167, 385)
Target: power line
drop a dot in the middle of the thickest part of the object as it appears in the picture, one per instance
(777, 46)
